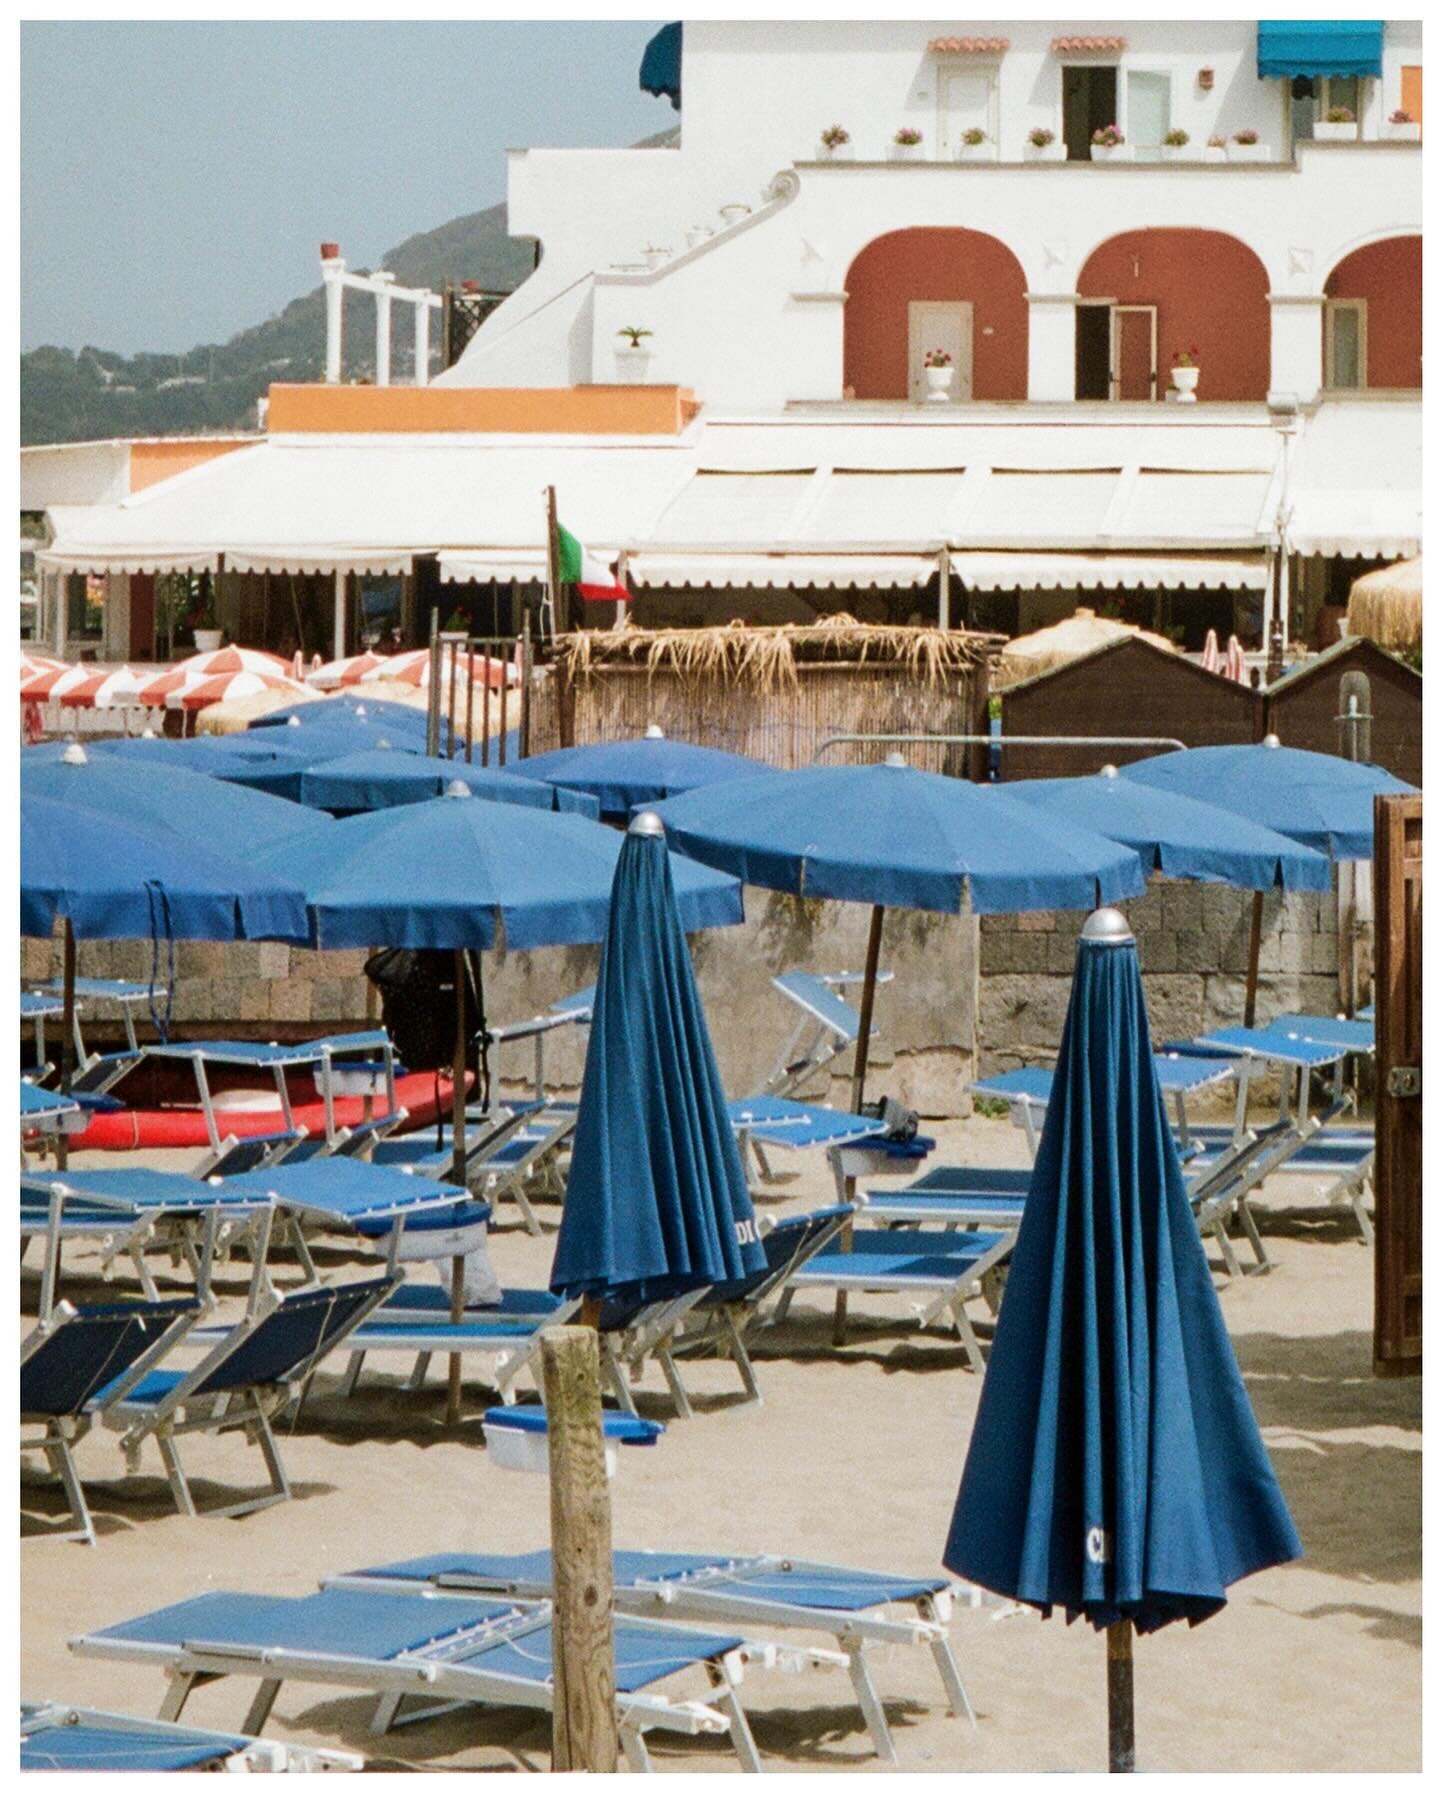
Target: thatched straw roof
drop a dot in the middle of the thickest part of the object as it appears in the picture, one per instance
(767, 657)
(1081, 634)
(226, 716)
(1385, 606)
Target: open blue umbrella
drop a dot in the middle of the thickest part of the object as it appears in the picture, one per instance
(1115, 1468)
(365, 780)
(217, 815)
(1323, 801)
(345, 713)
(1179, 836)
(656, 1203)
(636, 771)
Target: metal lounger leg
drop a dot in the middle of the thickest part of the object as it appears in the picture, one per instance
(870, 1707)
(386, 1714)
(664, 1356)
(632, 1742)
(727, 1701)
(417, 1374)
(352, 1373)
(181, 1683)
(62, 1465)
(974, 1355)
(1262, 1264)
(740, 1356)
(179, 1486)
(612, 1373)
(944, 1653)
(265, 1697)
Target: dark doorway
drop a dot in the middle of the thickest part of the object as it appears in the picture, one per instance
(1089, 102)
(1092, 352)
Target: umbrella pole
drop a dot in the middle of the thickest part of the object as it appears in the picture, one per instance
(67, 1039)
(1252, 969)
(857, 1088)
(1120, 1695)
(457, 1172)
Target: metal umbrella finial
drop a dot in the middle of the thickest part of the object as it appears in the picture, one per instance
(654, 731)
(1110, 772)
(1107, 925)
(647, 824)
(1270, 741)
(457, 790)
(74, 753)
(896, 761)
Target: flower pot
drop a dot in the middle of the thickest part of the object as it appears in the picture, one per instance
(633, 366)
(734, 212)
(836, 152)
(1045, 152)
(937, 384)
(1112, 153)
(1213, 153)
(905, 152)
(975, 152)
(328, 252)
(1185, 381)
(697, 235)
(656, 258)
(1326, 133)
(206, 641)
(1404, 134)
(1177, 153)
(1247, 153)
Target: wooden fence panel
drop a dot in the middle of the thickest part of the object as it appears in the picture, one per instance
(1398, 1101)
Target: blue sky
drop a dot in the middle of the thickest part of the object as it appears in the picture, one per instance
(177, 178)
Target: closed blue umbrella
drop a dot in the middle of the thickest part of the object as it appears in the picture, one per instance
(656, 1203)
(366, 780)
(1115, 1468)
(1180, 837)
(636, 771)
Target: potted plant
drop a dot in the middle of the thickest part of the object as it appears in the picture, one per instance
(1337, 127)
(1185, 373)
(905, 146)
(1214, 150)
(656, 255)
(835, 144)
(1245, 146)
(1041, 145)
(734, 211)
(1108, 145)
(939, 373)
(1173, 146)
(697, 235)
(975, 146)
(632, 359)
(204, 627)
(1405, 128)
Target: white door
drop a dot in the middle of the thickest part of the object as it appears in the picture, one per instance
(1147, 106)
(967, 97)
(942, 325)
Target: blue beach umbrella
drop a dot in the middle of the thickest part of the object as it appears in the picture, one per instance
(344, 713)
(656, 1203)
(1115, 1468)
(636, 771)
(366, 780)
(1179, 836)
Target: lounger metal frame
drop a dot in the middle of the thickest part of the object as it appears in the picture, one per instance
(256, 1756)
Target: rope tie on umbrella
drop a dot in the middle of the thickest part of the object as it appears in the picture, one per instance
(160, 922)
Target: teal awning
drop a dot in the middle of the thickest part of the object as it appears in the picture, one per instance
(660, 65)
(1289, 47)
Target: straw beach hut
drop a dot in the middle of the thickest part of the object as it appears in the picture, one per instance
(1081, 634)
(1385, 606)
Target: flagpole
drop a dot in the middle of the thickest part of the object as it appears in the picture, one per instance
(552, 561)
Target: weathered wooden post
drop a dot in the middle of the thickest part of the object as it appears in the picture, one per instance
(584, 1734)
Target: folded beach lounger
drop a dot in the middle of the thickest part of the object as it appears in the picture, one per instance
(56, 1738)
(515, 1155)
(1346, 1153)
(955, 1197)
(827, 1027)
(419, 1325)
(69, 1358)
(1355, 1036)
(940, 1274)
(854, 1606)
(433, 1649)
(129, 996)
(853, 1142)
(247, 1375)
(1027, 1090)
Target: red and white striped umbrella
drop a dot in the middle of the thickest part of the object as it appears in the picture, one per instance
(347, 670)
(238, 684)
(38, 674)
(1210, 655)
(232, 660)
(411, 668)
(89, 686)
(1235, 662)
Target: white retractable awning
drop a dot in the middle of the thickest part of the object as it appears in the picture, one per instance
(1357, 523)
(126, 559)
(495, 565)
(989, 570)
(678, 568)
(316, 559)
(1356, 488)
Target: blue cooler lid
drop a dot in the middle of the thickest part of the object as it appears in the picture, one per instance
(627, 1427)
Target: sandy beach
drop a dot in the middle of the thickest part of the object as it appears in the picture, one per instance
(854, 1456)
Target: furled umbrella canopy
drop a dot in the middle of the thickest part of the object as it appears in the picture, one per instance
(656, 1203)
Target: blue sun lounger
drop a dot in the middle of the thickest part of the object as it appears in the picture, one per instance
(828, 1026)
(68, 1359)
(430, 1648)
(853, 1606)
(56, 1738)
(1027, 1090)
(35, 1009)
(129, 996)
(514, 1156)
(853, 1142)
(416, 1322)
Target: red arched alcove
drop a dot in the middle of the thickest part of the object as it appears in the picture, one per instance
(1210, 292)
(940, 263)
(1386, 276)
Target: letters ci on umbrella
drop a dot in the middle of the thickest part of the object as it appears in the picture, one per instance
(1116, 1468)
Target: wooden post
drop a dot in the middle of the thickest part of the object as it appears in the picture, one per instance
(1399, 1199)
(584, 1734)
(1120, 1695)
(552, 562)
(432, 711)
(1252, 968)
(857, 1090)
(457, 1174)
(67, 1039)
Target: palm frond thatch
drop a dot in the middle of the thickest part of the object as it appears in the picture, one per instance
(1385, 606)
(768, 657)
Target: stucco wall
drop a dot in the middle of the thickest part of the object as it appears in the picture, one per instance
(1387, 277)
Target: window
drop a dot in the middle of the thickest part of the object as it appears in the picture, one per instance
(1090, 100)
(1410, 91)
(1147, 112)
(84, 606)
(1312, 96)
(1345, 344)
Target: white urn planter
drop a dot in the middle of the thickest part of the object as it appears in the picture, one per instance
(1326, 133)
(656, 256)
(836, 152)
(1213, 153)
(206, 641)
(1112, 153)
(905, 152)
(1185, 381)
(632, 367)
(1045, 152)
(1247, 153)
(1178, 153)
(697, 235)
(982, 152)
(937, 384)
(1404, 134)
(734, 212)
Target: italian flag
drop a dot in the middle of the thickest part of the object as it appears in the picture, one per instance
(586, 572)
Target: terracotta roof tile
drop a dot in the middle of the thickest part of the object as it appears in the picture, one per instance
(969, 46)
(1087, 43)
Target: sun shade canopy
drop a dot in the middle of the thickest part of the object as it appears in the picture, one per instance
(1290, 47)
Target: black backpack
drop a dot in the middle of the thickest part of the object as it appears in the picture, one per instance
(417, 1005)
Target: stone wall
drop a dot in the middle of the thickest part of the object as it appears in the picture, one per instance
(1194, 942)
